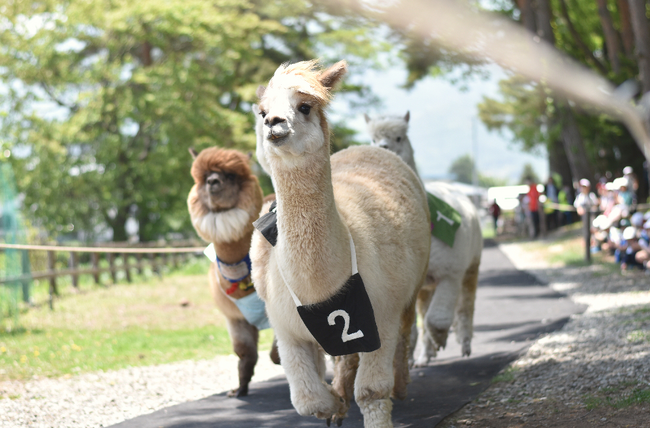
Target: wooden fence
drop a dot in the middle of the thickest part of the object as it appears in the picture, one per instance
(145, 255)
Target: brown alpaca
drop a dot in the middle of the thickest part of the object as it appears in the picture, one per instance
(225, 200)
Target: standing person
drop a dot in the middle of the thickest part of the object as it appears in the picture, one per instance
(495, 212)
(551, 192)
(533, 205)
(586, 198)
(632, 182)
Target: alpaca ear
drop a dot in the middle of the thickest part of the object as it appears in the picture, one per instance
(193, 152)
(260, 91)
(365, 116)
(407, 116)
(330, 77)
(255, 109)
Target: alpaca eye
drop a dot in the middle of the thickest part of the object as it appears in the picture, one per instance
(399, 139)
(304, 109)
(263, 114)
(230, 176)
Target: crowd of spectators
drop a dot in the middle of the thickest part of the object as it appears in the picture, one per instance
(620, 228)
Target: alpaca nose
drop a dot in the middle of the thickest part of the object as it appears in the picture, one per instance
(213, 180)
(273, 120)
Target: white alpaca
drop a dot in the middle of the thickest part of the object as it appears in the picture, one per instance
(361, 193)
(453, 271)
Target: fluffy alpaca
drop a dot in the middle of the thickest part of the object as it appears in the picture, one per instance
(364, 193)
(223, 203)
(453, 272)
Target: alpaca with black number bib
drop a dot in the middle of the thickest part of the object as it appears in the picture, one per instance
(341, 257)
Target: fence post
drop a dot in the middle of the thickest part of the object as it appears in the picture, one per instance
(138, 257)
(25, 270)
(127, 271)
(95, 257)
(52, 289)
(73, 265)
(111, 264)
(586, 231)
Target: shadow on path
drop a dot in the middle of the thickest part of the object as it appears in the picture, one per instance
(512, 310)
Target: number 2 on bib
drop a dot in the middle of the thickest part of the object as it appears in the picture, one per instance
(345, 337)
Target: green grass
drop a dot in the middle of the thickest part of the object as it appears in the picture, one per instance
(106, 328)
(630, 398)
(508, 375)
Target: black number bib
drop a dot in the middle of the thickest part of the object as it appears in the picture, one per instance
(345, 323)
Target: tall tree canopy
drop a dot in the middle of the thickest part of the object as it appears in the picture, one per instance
(601, 35)
(102, 99)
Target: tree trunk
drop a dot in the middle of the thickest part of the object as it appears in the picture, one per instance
(527, 15)
(544, 18)
(626, 28)
(642, 41)
(118, 224)
(573, 143)
(611, 36)
(558, 162)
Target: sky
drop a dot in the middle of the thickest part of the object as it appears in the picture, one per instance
(440, 128)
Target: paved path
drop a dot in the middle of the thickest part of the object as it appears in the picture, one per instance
(512, 310)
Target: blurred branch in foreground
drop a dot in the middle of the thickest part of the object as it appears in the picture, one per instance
(454, 25)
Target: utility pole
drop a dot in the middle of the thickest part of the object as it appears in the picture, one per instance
(477, 197)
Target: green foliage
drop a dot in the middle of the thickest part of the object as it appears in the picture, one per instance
(462, 169)
(528, 110)
(106, 97)
(528, 173)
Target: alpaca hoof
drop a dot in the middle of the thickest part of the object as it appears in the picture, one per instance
(439, 336)
(328, 421)
(339, 422)
(421, 362)
(239, 392)
(467, 348)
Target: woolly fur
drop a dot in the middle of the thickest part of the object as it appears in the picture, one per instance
(452, 277)
(230, 230)
(365, 192)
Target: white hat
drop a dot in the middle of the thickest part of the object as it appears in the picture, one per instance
(629, 233)
(620, 181)
(602, 222)
(646, 225)
(627, 170)
(585, 182)
(610, 186)
(646, 216)
(637, 219)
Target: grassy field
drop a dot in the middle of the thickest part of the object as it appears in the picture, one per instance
(105, 328)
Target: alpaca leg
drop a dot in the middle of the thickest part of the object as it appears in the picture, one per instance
(440, 314)
(464, 324)
(375, 381)
(425, 347)
(275, 354)
(244, 340)
(345, 372)
(304, 366)
(400, 362)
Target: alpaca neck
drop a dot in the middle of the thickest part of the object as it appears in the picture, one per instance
(410, 161)
(233, 251)
(312, 239)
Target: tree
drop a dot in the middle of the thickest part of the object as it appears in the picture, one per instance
(462, 169)
(528, 173)
(580, 144)
(104, 98)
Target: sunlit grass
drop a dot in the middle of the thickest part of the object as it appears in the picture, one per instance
(121, 325)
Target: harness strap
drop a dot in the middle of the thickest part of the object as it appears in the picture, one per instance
(353, 256)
